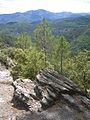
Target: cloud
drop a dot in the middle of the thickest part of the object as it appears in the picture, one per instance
(0, 4)
(11, 6)
(87, 1)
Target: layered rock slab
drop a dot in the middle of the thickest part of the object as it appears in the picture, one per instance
(58, 98)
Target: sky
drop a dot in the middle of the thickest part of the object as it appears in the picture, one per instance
(75, 6)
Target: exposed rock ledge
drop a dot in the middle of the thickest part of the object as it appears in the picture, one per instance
(51, 97)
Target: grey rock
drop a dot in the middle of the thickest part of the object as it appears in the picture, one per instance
(58, 97)
(24, 95)
(5, 76)
(38, 92)
(86, 101)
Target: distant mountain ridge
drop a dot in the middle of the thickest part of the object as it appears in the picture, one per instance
(75, 29)
(37, 15)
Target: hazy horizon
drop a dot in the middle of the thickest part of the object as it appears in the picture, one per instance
(45, 10)
(56, 6)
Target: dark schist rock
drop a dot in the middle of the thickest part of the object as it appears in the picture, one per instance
(51, 97)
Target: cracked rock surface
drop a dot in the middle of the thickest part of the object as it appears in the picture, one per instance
(57, 98)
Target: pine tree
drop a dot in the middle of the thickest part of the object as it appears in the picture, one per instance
(23, 41)
(62, 52)
(82, 68)
(43, 37)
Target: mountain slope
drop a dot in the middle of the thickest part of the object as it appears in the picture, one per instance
(76, 30)
(83, 41)
(36, 15)
(14, 28)
(70, 25)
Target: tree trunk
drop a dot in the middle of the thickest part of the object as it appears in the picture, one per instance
(84, 84)
(61, 63)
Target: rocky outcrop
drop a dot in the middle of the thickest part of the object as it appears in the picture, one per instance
(54, 86)
(51, 97)
(24, 95)
(5, 75)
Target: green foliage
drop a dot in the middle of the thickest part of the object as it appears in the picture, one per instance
(9, 52)
(44, 38)
(42, 34)
(78, 69)
(6, 41)
(23, 41)
(71, 28)
(28, 63)
(62, 51)
(14, 28)
(75, 30)
(6, 55)
(83, 41)
(82, 65)
(35, 62)
(3, 58)
(16, 71)
(49, 52)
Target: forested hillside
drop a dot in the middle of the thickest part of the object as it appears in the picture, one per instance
(68, 52)
(75, 30)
